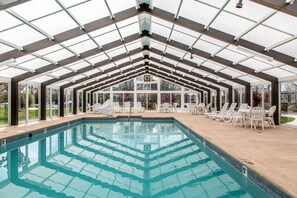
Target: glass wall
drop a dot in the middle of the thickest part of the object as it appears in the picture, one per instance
(55, 102)
(48, 103)
(289, 97)
(4, 103)
(22, 103)
(68, 94)
(267, 96)
(80, 101)
(33, 102)
(257, 96)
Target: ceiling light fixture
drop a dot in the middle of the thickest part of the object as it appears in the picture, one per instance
(239, 4)
(251, 52)
(290, 1)
(191, 56)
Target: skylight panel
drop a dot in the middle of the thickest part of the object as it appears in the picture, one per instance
(160, 29)
(117, 6)
(78, 65)
(254, 64)
(59, 55)
(35, 63)
(277, 72)
(175, 52)
(90, 11)
(4, 48)
(11, 72)
(231, 72)
(124, 60)
(36, 8)
(27, 36)
(249, 79)
(182, 38)
(253, 11)
(230, 55)
(107, 38)
(84, 46)
(169, 7)
(204, 15)
(136, 56)
(49, 50)
(98, 58)
(60, 72)
(69, 3)
(127, 22)
(129, 30)
(10, 21)
(231, 24)
(207, 47)
(41, 79)
(110, 65)
(172, 62)
(284, 22)
(56, 23)
(289, 48)
(157, 45)
(265, 36)
(119, 51)
(135, 45)
(212, 65)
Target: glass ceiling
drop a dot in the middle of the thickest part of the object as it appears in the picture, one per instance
(30, 42)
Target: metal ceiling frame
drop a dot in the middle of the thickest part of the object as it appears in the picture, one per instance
(217, 34)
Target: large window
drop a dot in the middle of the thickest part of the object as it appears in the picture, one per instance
(125, 86)
(257, 96)
(267, 96)
(55, 102)
(68, 94)
(22, 102)
(33, 102)
(3, 103)
(167, 86)
(289, 97)
(80, 101)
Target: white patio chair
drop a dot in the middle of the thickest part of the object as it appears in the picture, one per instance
(95, 107)
(165, 107)
(227, 116)
(192, 108)
(139, 107)
(207, 108)
(238, 116)
(127, 106)
(257, 115)
(269, 117)
(116, 107)
(214, 113)
(105, 108)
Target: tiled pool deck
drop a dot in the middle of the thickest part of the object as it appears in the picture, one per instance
(272, 152)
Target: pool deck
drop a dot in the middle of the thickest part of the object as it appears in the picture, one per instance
(272, 152)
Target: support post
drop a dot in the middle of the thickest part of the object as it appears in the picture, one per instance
(201, 96)
(275, 95)
(91, 98)
(61, 95)
(230, 95)
(218, 100)
(84, 101)
(74, 102)
(208, 96)
(248, 94)
(14, 105)
(42, 102)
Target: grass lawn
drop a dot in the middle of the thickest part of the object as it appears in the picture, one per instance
(3, 114)
(285, 119)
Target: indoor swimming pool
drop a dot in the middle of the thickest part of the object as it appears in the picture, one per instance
(118, 158)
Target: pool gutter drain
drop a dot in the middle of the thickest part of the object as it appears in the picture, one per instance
(244, 170)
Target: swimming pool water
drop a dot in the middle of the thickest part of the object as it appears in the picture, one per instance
(118, 159)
